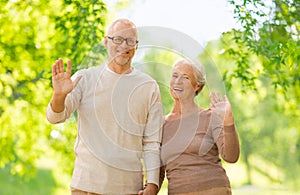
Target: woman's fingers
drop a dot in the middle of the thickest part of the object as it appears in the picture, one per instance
(211, 100)
(215, 98)
(212, 97)
(226, 99)
(219, 97)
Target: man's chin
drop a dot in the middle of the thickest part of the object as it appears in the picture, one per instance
(122, 61)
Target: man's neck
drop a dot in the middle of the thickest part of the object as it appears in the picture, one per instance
(120, 69)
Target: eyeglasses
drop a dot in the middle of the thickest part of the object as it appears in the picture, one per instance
(119, 40)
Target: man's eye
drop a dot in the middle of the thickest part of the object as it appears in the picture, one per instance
(131, 41)
(118, 39)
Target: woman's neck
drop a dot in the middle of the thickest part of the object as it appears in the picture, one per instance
(182, 109)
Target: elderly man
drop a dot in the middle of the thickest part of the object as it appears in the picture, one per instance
(119, 119)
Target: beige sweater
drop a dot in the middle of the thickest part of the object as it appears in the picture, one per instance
(190, 152)
(119, 123)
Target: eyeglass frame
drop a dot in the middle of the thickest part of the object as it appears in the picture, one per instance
(123, 39)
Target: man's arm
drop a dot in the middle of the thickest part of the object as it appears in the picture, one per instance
(62, 86)
(152, 141)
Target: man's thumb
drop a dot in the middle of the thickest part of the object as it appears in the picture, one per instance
(75, 82)
(140, 192)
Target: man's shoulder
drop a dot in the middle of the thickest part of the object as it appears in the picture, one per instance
(144, 76)
(90, 70)
(94, 69)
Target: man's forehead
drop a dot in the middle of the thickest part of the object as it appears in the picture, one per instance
(122, 27)
(124, 31)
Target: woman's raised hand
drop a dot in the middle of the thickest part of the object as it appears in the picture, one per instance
(222, 108)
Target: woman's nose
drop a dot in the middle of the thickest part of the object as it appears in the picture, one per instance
(178, 80)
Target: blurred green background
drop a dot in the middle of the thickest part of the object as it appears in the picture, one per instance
(258, 64)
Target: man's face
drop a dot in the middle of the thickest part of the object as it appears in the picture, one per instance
(121, 53)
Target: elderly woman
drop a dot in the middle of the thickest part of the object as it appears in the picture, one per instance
(194, 137)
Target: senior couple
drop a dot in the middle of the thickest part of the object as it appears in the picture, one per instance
(122, 132)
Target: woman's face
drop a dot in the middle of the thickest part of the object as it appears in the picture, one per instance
(183, 83)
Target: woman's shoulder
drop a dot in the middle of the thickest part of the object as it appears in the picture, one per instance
(205, 113)
(204, 110)
(171, 117)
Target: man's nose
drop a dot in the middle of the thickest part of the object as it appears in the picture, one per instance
(124, 44)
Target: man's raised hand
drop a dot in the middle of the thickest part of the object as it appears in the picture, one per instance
(61, 80)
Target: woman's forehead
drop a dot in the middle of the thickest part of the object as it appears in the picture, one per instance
(182, 68)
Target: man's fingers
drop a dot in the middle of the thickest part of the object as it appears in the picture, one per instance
(54, 69)
(57, 66)
(60, 65)
(69, 67)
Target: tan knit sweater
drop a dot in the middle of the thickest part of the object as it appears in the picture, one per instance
(190, 152)
(119, 123)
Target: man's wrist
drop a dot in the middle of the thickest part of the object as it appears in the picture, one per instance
(151, 186)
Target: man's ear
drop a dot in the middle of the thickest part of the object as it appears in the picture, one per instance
(105, 42)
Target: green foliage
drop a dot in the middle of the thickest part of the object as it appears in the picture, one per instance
(271, 32)
(33, 35)
(260, 66)
(43, 183)
(158, 64)
(81, 24)
(62, 140)
(266, 121)
(259, 63)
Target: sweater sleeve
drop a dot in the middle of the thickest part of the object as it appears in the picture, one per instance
(228, 144)
(161, 175)
(152, 139)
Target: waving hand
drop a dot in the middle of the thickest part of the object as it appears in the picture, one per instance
(61, 81)
(222, 108)
(62, 84)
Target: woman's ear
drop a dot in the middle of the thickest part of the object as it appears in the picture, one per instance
(198, 88)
